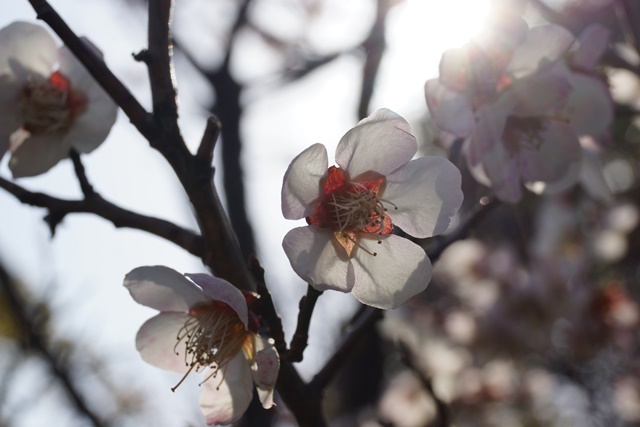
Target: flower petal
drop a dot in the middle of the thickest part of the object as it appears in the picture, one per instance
(542, 92)
(220, 290)
(265, 370)
(162, 288)
(557, 150)
(590, 106)
(26, 49)
(400, 270)
(450, 110)
(301, 184)
(592, 43)
(157, 338)
(225, 397)
(543, 46)
(91, 127)
(380, 143)
(315, 257)
(427, 192)
(37, 154)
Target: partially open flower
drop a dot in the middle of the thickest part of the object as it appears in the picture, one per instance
(351, 210)
(49, 104)
(204, 325)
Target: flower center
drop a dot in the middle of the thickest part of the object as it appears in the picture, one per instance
(50, 105)
(352, 208)
(518, 131)
(212, 336)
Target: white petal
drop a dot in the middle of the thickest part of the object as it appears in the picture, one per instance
(225, 397)
(592, 178)
(450, 110)
(592, 43)
(400, 270)
(91, 127)
(220, 290)
(301, 183)
(558, 148)
(314, 257)
(427, 193)
(162, 288)
(26, 49)
(380, 143)
(157, 338)
(37, 154)
(265, 371)
(542, 47)
(590, 106)
(490, 122)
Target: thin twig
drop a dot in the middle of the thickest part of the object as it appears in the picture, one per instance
(37, 342)
(301, 336)
(59, 208)
(209, 139)
(78, 167)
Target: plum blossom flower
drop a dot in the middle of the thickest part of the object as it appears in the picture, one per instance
(204, 325)
(351, 210)
(49, 104)
(519, 107)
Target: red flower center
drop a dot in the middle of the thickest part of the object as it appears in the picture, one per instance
(49, 105)
(351, 208)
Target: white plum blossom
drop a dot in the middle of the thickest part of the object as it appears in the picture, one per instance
(204, 324)
(518, 105)
(351, 210)
(49, 104)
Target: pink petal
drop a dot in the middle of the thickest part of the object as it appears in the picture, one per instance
(557, 149)
(427, 193)
(91, 127)
(157, 338)
(220, 290)
(400, 270)
(450, 110)
(265, 370)
(590, 106)
(380, 143)
(301, 184)
(26, 49)
(317, 259)
(592, 43)
(543, 46)
(225, 397)
(37, 154)
(162, 288)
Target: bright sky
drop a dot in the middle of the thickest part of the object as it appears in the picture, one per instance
(88, 258)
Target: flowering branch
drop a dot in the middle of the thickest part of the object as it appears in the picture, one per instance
(267, 308)
(95, 204)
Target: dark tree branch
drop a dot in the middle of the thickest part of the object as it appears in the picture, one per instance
(34, 340)
(267, 308)
(78, 167)
(209, 139)
(59, 208)
(301, 336)
(374, 47)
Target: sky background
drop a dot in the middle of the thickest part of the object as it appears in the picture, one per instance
(80, 271)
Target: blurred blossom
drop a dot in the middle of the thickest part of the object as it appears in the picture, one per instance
(627, 398)
(405, 402)
(205, 325)
(50, 104)
(351, 210)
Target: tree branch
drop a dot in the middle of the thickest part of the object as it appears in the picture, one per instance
(301, 336)
(78, 167)
(59, 208)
